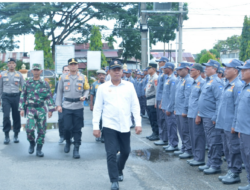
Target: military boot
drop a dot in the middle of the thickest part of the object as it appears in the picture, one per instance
(67, 146)
(7, 138)
(76, 154)
(39, 152)
(32, 147)
(16, 140)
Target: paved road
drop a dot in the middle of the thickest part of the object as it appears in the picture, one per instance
(148, 167)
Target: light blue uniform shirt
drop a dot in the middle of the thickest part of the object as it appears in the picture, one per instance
(94, 88)
(160, 83)
(226, 111)
(210, 97)
(242, 122)
(137, 87)
(183, 90)
(168, 94)
(194, 97)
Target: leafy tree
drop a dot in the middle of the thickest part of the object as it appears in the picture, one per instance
(205, 57)
(110, 39)
(43, 43)
(231, 43)
(198, 57)
(55, 20)
(215, 52)
(96, 43)
(245, 40)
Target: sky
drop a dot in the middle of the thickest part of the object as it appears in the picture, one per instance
(197, 32)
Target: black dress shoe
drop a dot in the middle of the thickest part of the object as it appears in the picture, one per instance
(120, 177)
(114, 186)
(16, 140)
(149, 136)
(154, 138)
(67, 146)
(39, 152)
(211, 171)
(32, 147)
(202, 168)
(61, 140)
(7, 138)
(76, 154)
(231, 179)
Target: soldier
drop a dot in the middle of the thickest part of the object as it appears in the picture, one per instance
(151, 100)
(75, 89)
(207, 114)
(167, 105)
(101, 79)
(35, 96)
(182, 93)
(197, 134)
(226, 113)
(242, 120)
(11, 82)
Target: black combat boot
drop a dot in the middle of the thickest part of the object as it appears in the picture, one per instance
(32, 147)
(39, 152)
(67, 146)
(16, 140)
(7, 138)
(76, 154)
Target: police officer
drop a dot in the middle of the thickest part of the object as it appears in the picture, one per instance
(142, 97)
(197, 134)
(151, 100)
(207, 114)
(35, 95)
(183, 90)
(101, 79)
(226, 113)
(75, 88)
(145, 82)
(167, 105)
(160, 114)
(242, 121)
(11, 82)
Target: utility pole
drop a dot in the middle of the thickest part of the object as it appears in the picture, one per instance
(180, 32)
(144, 45)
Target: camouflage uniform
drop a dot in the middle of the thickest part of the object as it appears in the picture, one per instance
(35, 95)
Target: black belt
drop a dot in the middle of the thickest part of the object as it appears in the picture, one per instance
(72, 99)
(11, 94)
(36, 105)
(150, 97)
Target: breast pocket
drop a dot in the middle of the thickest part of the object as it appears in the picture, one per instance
(79, 87)
(66, 87)
(5, 80)
(16, 81)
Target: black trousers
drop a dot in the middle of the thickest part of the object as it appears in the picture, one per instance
(13, 103)
(73, 123)
(153, 119)
(114, 141)
(61, 124)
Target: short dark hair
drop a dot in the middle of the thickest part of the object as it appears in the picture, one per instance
(64, 67)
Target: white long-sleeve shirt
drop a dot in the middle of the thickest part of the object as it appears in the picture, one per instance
(115, 104)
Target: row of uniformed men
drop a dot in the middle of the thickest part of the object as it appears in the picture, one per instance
(213, 111)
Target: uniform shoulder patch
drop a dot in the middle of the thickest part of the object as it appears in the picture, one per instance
(155, 81)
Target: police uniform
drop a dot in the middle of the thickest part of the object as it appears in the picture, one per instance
(197, 134)
(208, 108)
(151, 101)
(142, 95)
(10, 85)
(183, 90)
(72, 87)
(242, 124)
(167, 105)
(36, 95)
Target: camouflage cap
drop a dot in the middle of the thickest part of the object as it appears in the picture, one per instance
(36, 66)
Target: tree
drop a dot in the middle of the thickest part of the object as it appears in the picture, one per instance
(215, 52)
(43, 43)
(245, 40)
(205, 57)
(110, 39)
(96, 43)
(198, 57)
(231, 43)
(55, 20)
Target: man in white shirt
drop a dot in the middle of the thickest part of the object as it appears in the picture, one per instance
(115, 101)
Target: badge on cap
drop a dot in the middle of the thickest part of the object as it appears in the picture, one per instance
(115, 62)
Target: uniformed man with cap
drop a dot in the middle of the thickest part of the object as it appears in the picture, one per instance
(182, 93)
(11, 82)
(167, 105)
(221, 75)
(107, 78)
(203, 74)
(226, 115)
(74, 87)
(163, 137)
(144, 100)
(151, 99)
(101, 79)
(36, 97)
(242, 120)
(207, 114)
(197, 134)
(142, 94)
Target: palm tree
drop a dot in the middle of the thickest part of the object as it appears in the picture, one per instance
(110, 39)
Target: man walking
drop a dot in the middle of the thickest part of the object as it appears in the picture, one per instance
(115, 101)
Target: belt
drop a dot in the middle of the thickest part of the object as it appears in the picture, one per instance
(150, 97)
(11, 94)
(36, 105)
(72, 99)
